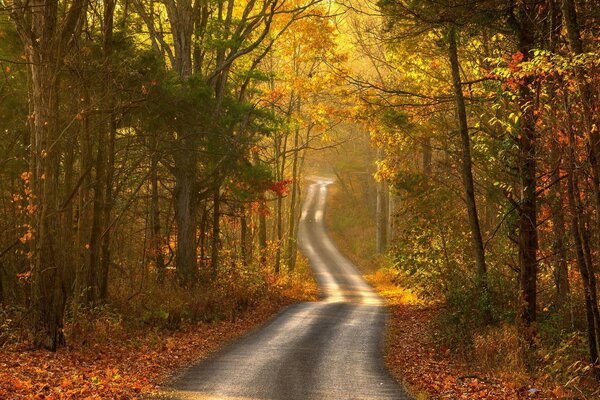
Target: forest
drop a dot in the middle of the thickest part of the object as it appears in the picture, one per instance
(155, 156)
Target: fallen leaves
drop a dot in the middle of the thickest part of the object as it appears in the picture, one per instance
(438, 374)
(128, 368)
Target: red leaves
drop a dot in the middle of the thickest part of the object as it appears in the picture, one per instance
(281, 188)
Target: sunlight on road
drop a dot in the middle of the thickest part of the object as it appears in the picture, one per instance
(328, 264)
(328, 349)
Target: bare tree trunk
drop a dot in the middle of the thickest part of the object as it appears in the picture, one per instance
(381, 212)
(381, 215)
(468, 182)
(185, 217)
(107, 210)
(292, 222)
(181, 15)
(245, 243)
(390, 218)
(583, 263)
(45, 39)
(559, 250)
(281, 157)
(216, 232)
(156, 238)
(203, 233)
(262, 231)
(588, 101)
(85, 278)
(109, 159)
(527, 218)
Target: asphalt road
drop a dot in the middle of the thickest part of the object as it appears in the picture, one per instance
(329, 349)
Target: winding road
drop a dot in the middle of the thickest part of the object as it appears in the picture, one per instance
(331, 349)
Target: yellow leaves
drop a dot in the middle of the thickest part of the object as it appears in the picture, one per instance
(497, 37)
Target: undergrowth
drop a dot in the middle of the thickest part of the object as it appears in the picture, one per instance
(154, 307)
(456, 326)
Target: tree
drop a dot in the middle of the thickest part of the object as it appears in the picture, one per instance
(47, 32)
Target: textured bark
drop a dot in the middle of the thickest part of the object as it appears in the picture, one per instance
(245, 242)
(109, 141)
(262, 232)
(181, 16)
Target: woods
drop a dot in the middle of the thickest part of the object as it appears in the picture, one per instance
(506, 96)
(144, 145)
(153, 156)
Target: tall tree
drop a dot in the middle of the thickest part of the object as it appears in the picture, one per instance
(47, 30)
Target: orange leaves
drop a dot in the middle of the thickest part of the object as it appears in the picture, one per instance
(28, 235)
(127, 367)
(412, 357)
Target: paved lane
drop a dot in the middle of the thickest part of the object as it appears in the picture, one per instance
(323, 350)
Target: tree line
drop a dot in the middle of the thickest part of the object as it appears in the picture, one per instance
(489, 110)
(151, 143)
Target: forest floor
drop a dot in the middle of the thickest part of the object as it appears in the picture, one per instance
(432, 373)
(124, 365)
(412, 356)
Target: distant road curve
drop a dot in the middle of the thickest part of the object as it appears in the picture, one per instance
(310, 351)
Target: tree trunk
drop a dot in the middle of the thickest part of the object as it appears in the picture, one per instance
(216, 232)
(181, 18)
(588, 101)
(559, 250)
(185, 217)
(156, 237)
(109, 159)
(583, 260)
(262, 231)
(381, 215)
(527, 218)
(245, 243)
(292, 222)
(45, 38)
(468, 182)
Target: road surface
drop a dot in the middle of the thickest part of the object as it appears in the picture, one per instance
(329, 349)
